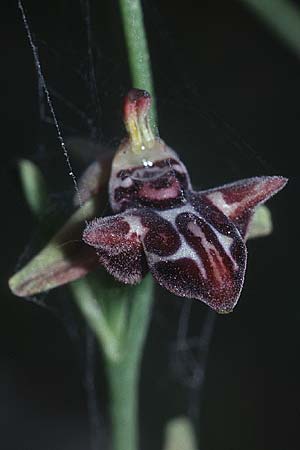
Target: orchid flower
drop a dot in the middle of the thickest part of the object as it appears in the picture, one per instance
(192, 242)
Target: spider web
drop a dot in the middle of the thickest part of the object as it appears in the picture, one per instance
(188, 351)
(84, 341)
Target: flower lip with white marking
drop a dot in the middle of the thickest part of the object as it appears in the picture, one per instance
(192, 242)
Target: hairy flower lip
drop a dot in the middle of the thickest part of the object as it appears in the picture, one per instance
(209, 227)
(76, 262)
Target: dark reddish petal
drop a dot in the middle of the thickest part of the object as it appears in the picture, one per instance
(127, 266)
(187, 254)
(206, 263)
(117, 243)
(238, 200)
(161, 238)
(121, 240)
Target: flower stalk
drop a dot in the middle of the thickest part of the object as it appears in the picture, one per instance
(123, 372)
(137, 49)
(119, 317)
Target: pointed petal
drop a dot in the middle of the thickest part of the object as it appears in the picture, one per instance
(238, 200)
(65, 258)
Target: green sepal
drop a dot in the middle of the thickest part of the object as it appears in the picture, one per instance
(34, 187)
(64, 259)
(180, 435)
(261, 223)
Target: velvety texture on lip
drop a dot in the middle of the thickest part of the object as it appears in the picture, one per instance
(192, 242)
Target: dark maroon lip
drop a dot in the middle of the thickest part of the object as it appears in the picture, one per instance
(193, 243)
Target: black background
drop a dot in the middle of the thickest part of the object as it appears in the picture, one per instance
(208, 57)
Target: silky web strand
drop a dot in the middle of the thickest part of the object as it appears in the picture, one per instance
(43, 83)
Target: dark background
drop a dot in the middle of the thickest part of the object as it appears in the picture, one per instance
(219, 74)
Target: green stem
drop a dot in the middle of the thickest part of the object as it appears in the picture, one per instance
(90, 306)
(123, 375)
(119, 316)
(123, 380)
(282, 16)
(137, 49)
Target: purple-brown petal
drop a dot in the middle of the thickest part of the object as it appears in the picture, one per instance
(122, 241)
(116, 240)
(238, 200)
(207, 261)
(161, 238)
(128, 267)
